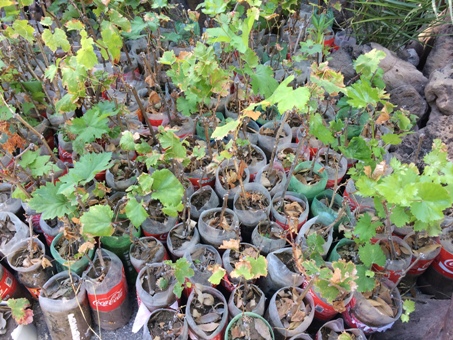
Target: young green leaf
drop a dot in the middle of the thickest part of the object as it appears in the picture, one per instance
(50, 203)
(372, 253)
(365, 229)
(365, 281)
(97, 221)
(56, 39)
(86, 55)
(135, 211)
(223, 130)
(20, 310)
(218, 274)
(286, 98)
(168, 190)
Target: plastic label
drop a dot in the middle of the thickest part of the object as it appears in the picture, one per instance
(8, 285)
(111, 300)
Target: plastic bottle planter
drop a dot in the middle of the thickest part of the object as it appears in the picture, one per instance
(62, 264)
(35, 217)
(201, 200)
(268, 236)
(200, 129)
(120, 245)
(336, 327)
(256, 161)
(322, 204)
(254, 207)
(280, 272)
(335, 164)
(286, 153)
(285, 214)
(148, 291)
(394, 269)
(254, 299)
(315, 225)
(168, 322)
(199, 258)
(316, 183)
(180, 240)
(438, 278)
(50, 232)
(202, 301)
(324, 311)
(65, 149)
(301, 336)
(297, 326)
(107, 291)
(9, 287)
(216, 233)
(15, 227)
(65, 307)
(229, 259)
(32, 277)
(120, 184)
(186, 127)
(427, 249)
(223, 175)
(355, 201)
(249, 323)
(274, 181)
(361, 314)
(251, 133)
(345, 246)
(8, 204)
(266, 139)
(158, 229)
(158, 119)
(147, 250)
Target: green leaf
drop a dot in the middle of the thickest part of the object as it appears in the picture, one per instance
(399, 216)
(84, 170)
(92, 125)
(112, 39)
(20, 311)
(38, 165)
(135, 211)
(365, 281)
(145, 182)
(408, 307)
(127, 141)
(286, 98)
(168, 190)
(365, 228)
(433, 200)
(74, 25)
(22, 28)
(368, 63)
(46, 21)
(392, 139)
(5, 113)
(319, 130)
(173, 146)
(118, 20)
(65, 104)
(372, 253)
(183, 271)
(5, 3)
(263, 81)
(361, 94)
(222, 131)
(97, 221)
(357, 149)
(168, 58)
(86, 55)
(50, 203)
(217, 276)
(55, 40)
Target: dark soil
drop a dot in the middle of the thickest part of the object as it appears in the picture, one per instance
(145, 250)
(288, 260)
(249, 155)
(229, 177)
(349, 252)
(166, 325)
(217, 221)
(265, 229)
(122, 171)
(252, 201)
(180, 236)
(207, 311)
(200, 199)
(7, 230)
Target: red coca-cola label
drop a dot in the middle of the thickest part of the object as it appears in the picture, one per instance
(111, 300)
(420, 267)
(8, 285)
(161, 237)
(443, 263)
(64, 155)
(205, 181)
(392, 275)
(323, 311)
(35, 222)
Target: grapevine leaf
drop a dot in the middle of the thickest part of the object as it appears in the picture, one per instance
(263, 81)
(112, 39)
(97, 221)
(174, 148)
(20, 311)
(399, 216)
(434, 198)
(365, 281)
(22, 28)
(361, 94)
(135, 211)
(286, 98)
(365, 228)
(50, 203)
(217, 274)
(55, 40)
(368, 63)
(319, 130)
(168, 190)
(86, 56)
(222, 131)
(372, 253)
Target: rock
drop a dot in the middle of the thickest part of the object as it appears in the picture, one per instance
(439, 91)
(442, 51)
(438, 127)
(398, 72)
(406, 97)
(341, 61)
(430, 320)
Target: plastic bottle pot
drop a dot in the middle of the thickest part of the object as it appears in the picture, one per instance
(309, 191)
(164, 317)
(76, 266)
(216, 236)
(251, 217)
(259, 308)
(275, 240)
(190, 241)
(213, 201)
(245, 318)
(66, 316)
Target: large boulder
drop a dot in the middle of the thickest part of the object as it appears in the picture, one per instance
(406, 97)
(439, 91)
(398, 72)
(442, 51)
(341, 61)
